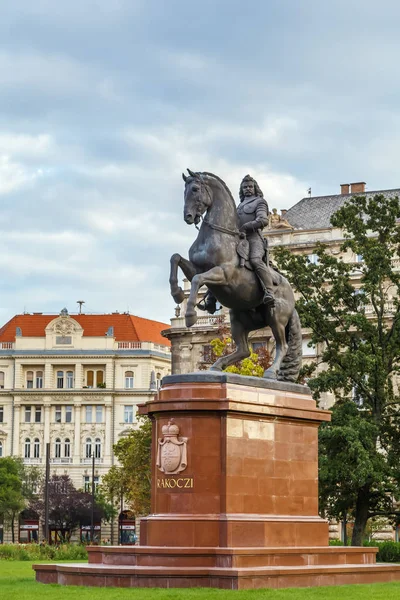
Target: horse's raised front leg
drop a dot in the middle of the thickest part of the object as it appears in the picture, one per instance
(240, 336)
(189, 271)
(278, 330)
(215, 276)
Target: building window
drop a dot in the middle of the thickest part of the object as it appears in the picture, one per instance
(57, 448)
(36, 448)
(208, 354)
(97, 448)
(27, 452)
(158, 380)
(58, 414)
(1, 414)
(88, 410)
(38, 414)
(28, 414)
(87, 483)
(60, 379)
(1, 380)
(359, 258)
(68, 414)
(129, 379)
(70, 380)
(306, 349)
(88, 448)
(99, 414)
(99, 378)
(313, 259)
(128, 414)
(67, 448)
(1, 449)
(39, 379)
(90, 379)
(63, 340)
(29, 380)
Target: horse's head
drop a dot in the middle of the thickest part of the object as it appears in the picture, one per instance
(198, 196)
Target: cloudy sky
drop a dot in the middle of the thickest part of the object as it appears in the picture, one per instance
(103, 103)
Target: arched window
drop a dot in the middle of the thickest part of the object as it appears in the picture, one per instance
(97, 448)
(29, 380)
(128, 379)
(39, 379)
(2, 380)
(1, 449)
(158, 380)
(70, 379)
(88, 448)
(36, 448)
(99, 378)
(90, 378)
(67, 448)
(57, 448)
(27, 452)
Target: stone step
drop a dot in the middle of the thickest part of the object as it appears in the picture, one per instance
(229, 557)
(229, 578)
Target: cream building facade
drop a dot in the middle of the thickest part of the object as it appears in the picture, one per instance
(75, 381)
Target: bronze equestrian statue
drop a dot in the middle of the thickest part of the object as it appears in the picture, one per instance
(229, 240)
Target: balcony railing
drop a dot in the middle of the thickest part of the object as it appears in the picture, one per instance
(32, 461)
(129, 345)
(88, 461)
(210, 321)
(6, 345)
(61, 461)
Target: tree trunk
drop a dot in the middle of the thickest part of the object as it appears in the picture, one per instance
(361, 517)
(12, 530)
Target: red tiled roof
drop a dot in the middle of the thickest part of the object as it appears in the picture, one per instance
(126, 327)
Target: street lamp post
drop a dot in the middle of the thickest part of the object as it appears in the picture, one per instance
(46, 494)
(92, 511)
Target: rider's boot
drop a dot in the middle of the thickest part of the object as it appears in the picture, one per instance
(209, 303)
(266, 282)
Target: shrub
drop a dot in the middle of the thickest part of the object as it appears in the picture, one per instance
(39, 552)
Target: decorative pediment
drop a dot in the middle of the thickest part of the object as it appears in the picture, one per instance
(3, 433)
(64, 325)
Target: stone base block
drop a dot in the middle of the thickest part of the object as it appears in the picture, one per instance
(227, 568)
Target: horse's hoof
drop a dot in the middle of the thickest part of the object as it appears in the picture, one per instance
(269, 374)
(179, 296)
(190, 318)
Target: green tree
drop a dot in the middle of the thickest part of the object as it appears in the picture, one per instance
(12, 500)
(358, 332)
(132, 479)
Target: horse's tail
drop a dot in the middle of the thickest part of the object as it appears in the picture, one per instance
(291, 363)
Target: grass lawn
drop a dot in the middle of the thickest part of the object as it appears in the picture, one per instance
(17, 583)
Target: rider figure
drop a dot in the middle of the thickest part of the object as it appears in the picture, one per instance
(253, 217)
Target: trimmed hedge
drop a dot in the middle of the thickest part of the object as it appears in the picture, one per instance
(39, 552)
(389, 552)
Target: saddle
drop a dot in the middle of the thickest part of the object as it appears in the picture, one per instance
(243, 251)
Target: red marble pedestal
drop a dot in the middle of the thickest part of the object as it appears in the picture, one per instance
(234, 496)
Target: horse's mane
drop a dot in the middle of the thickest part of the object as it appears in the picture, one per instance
(222, 182)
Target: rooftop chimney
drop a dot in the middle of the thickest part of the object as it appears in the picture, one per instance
(358, 187)
(352, 188)
(344, 188)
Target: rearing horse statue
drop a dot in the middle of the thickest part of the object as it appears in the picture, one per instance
(214, 262)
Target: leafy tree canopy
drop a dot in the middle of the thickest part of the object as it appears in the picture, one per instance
(353, 313)
(132, 479)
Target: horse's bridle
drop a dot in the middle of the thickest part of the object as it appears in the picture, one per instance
(203, 185)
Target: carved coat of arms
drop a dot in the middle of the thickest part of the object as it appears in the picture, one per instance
(171, 452)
